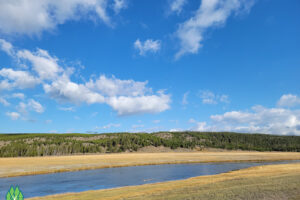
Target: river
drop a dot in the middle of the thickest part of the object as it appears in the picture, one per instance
(78, 181)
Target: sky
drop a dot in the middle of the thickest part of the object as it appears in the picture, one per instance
(95, 66)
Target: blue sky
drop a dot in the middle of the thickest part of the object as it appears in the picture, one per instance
(125, 65)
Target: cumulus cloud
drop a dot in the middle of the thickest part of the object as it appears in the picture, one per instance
(211, 13)
(259, 119)
(201, 126)
(41, 66)
(35, 106)
(34, 17)
(13, 115)
(176, 5)
(31, 105)
(113, 86)
(289, 100)
(209, 97)
(125, 105)
(147, 46)
(42, 63)
(6, 46)
(131, 100)
(119, 5)
(127, 97)
(65, 90)
(5, 85)
(17, 79)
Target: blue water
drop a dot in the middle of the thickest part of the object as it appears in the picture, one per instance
(48, 184)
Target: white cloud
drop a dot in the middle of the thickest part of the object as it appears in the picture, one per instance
(185, 98)
(175, 130)
(119, 5)
(5, 85)
(33, 17)
(31, 105)
(35, 106)
(101, 11)
(125, 96)
(18, 95)
(72, 109)
(209, 97)
(156, 121)
(113, 86)
(289, 100)
(259, 119)
(22, 108)
(147, 46)
(140, 104)
(176, 5)
(224, 98)
(111, 125)
(4, 101)
(6, 46)
(200, 126)
(42, 63)
(64, 90)
(211, 13)
(262, 120)
(17, 79)
(13, 115)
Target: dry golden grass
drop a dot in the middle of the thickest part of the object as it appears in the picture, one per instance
(270, 182)
(39, 165)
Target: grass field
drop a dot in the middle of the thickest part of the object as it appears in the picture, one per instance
(270, 182)
(39, 165)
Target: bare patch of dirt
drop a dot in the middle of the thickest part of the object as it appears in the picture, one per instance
(164, 135)
(90, 138)
(153, 149)
(31, 141)
(4, 143)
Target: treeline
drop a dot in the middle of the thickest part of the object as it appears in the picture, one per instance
(17, 145)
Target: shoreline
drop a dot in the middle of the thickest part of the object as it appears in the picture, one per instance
(119, 166)
(258, 172)
(26, 166)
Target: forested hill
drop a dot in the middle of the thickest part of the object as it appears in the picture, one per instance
(12, 145)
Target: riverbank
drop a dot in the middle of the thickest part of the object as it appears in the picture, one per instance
(255, 183)
(41, 165)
